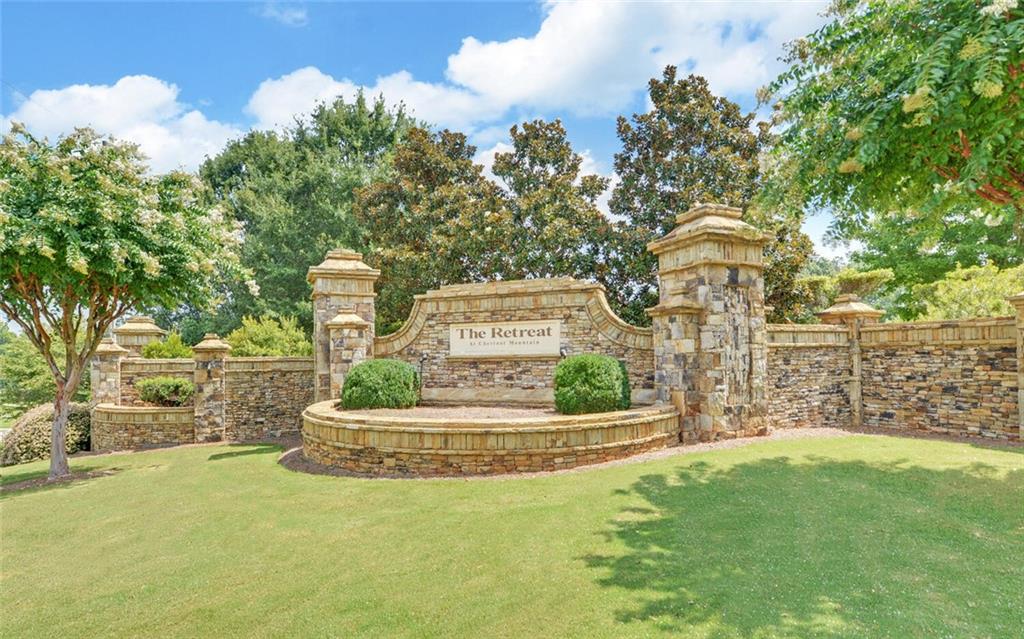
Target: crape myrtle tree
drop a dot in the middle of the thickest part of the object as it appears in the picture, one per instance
(692, 146)
(85, 235)
(905, 108)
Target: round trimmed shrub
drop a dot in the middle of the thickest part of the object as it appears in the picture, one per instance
(381, 383)
(591, 384)
(29, 437)
(164, 390)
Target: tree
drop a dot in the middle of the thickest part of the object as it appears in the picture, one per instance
(556, 229)
(268, 337)
(293, 190)
(976, 291)
(924, 247)
(904, 105)
(692, 146)
(25, 377)
(437, 220)
(85, 235)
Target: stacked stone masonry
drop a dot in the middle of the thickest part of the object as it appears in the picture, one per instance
(587, 326)
(367, 444)
(950, 377)
(808, 376)
(266, 396)
(125, 427)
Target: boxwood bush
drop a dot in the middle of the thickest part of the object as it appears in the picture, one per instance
(591, 384)
(29, 438)
(381, 383)
(165, 390)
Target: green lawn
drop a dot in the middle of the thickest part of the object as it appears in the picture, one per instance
(847, 537)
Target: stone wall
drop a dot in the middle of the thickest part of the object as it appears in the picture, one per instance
(266, 396)
(134, 370)
(950, 377)
(808, 376)
(588, 326)
(125, 427)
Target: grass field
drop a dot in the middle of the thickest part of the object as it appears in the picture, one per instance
(844, 537)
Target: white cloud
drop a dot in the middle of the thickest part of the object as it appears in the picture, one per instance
(139, 108)
(586, 58)
(289, 15)
(278, 101)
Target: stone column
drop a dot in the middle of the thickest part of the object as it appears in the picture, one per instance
(105, 372)
(349, 346)
(342, 283)
(209, 356)
(852, 312)
(136, 332)
(710, 336)
(1018, 304)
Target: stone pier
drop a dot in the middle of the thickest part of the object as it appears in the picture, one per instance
(709, 326)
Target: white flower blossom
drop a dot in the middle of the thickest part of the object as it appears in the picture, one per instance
(998, 7)
(79, 264)
(993, 220)
(254, 288)
(150, 265)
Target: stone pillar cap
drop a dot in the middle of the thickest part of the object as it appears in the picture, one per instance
(1017, 300)
(108, 346)
(342, 263)
(139, 325)
(849, 306)
(347, 320)
(703, 209)
(212, 342)
(703, 219)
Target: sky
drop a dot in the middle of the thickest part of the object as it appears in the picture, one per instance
(183, 78)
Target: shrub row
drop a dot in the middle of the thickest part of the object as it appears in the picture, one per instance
(29, 437)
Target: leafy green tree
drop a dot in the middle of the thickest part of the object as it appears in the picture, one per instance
(25, 377)
(85, 235)
(904, 105)
(976, 291)
(692, 146)
(437, 220)
(168, 348)
(555, 227)
(924, 247)
(294, 191)
(269, 337)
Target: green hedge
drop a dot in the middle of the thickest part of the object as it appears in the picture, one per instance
(381, 383)
(164, 390)
(29, 438)
(591, 384)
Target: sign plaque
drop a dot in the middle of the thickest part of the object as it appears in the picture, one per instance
(514, 339)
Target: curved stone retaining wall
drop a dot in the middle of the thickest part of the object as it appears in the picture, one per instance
(123, 427)
(363, 443)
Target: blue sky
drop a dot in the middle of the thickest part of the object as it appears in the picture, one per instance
(183, 78)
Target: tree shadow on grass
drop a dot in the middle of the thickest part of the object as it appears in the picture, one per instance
(36, 480)
(818, 547)
(244, 450)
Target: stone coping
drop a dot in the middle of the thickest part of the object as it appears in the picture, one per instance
(325, 413)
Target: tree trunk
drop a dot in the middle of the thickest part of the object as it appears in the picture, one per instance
(58, 434)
